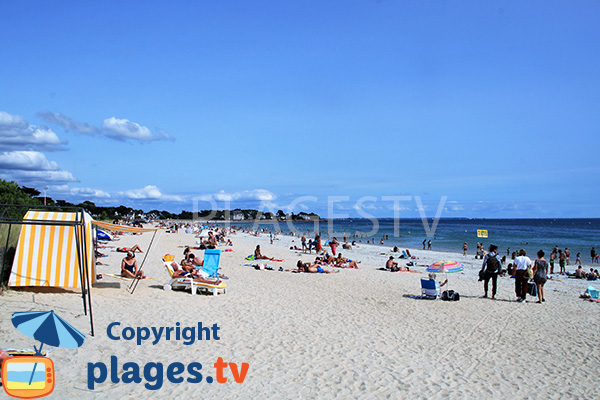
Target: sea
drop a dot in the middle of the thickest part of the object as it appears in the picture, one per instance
(579, 235)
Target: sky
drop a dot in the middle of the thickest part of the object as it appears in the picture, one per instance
(345, 108)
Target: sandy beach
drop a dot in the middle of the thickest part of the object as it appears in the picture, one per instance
(357, 334)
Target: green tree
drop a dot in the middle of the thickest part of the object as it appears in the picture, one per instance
(11, 193)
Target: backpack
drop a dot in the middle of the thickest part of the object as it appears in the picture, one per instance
(492, 265)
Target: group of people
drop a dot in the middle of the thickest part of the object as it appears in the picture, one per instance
(581, 274)
(524, 270)
(310, 244)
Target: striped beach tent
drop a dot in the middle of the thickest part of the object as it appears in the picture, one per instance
(54, 249)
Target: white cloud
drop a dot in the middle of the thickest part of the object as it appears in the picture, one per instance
(113, 128)
(150, 192)
(80, 192)
(121, 129)
(257, 194)
(32, 167)
(38, 177)
(18, 134)
(27, 161)
(69, 124)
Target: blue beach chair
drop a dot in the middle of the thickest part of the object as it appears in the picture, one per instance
(212, 257)
(430, 289)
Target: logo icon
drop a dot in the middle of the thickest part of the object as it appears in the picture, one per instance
(33, 377)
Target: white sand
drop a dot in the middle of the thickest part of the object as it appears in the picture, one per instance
(355, 334)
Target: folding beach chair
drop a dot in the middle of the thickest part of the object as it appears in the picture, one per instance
(212, 257)
(430, 289)
(179, 282)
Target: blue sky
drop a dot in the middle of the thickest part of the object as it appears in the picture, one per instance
(154, 104)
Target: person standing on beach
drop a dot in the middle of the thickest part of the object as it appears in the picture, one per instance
(465, 248)
(429, 245)
(592, 253)
(425, 242)
(333, 244)
(540, 275)
(522, 262)
(553, 257)
(492, 265)
(317, 244)
(578, 259)
(303, 243)
(568, 255)
(562, 258)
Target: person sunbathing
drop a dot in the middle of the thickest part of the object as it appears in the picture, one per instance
(342, 262)
(313, 268)
(129, 268)
(259, 256)
(128, 249)
(183, 272)
(192, 259)
(391, 264)
(327, 259)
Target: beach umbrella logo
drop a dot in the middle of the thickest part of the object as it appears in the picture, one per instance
(33, 377)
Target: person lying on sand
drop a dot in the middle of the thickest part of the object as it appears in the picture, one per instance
(259, 256)
(127, 249)
(129, 268)
(342, 262)
(313, 268)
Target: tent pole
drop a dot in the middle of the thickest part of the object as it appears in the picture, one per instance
(87, 275)
(135, 282)
(5, 251)
(81, 272)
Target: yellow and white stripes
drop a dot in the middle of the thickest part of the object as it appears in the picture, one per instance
(47, 254)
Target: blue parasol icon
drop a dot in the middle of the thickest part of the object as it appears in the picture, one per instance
(48, 328)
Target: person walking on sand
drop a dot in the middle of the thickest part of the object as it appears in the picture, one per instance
(425, 242)
(429, 245)
(492, 265)
(522, 262)
(540, 275)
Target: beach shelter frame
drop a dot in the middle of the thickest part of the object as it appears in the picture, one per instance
(130, 229)
(78, 223)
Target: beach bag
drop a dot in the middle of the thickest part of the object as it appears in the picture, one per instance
(529, 273)
(450, 295)
(481, 274)
(532, 289)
